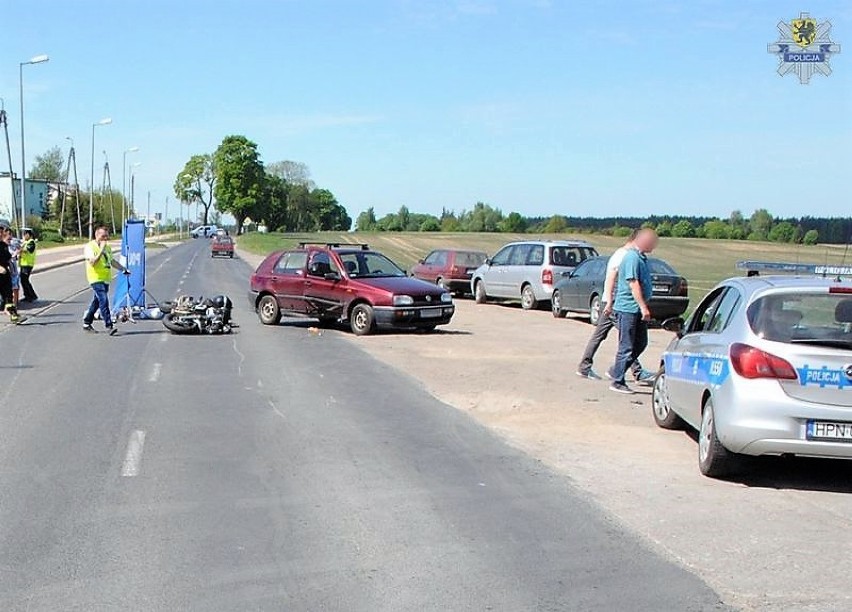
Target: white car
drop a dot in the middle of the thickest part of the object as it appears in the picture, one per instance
(204, 231)
(527, 270)
(762, 367)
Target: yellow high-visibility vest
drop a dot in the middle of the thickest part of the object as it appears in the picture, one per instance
(27, 259)
(101, 271)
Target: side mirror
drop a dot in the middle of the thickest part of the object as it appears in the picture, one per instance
(674, 325)
(488, 261)
(332, 276)
(420, 261)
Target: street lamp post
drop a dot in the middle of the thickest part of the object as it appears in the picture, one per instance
(124, 183)
(38, 59)
(133, 188)
(106, 121)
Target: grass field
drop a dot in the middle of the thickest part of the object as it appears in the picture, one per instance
(702, 262)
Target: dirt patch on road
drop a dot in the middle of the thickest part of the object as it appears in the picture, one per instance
(780, 541)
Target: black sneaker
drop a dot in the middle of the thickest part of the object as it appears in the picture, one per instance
(621, 388)
(113, 331)
(87, 327)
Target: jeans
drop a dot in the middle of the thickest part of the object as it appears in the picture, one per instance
(632, 340)
(26, 285)
(598, 336)
(99, 300)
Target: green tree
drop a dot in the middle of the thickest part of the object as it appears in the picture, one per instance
(366, 221)
(621, 231)
(449, 223)
(811, 237)
(683, 229)
(717, 230)
(430, 224)
(239, 179)
(514, 223)
(276, 215)
(327, 213)
(760, 223)
(196, 183)
(292, 172)
(664, 229)
(556, 225)
(49, 166)
(783, 232)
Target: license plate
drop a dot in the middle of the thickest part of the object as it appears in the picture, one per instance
(829, 430)
(431, 313)
(661, 288)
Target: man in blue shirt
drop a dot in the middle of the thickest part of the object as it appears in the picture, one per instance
(632, 293)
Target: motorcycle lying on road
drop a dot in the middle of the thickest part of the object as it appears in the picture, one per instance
(202, 316)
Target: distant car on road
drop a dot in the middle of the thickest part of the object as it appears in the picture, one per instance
(527, 270)
(204, 231)
(222, 246)
(449, 268)
(347, 283)
(581, 291)
(763, 366)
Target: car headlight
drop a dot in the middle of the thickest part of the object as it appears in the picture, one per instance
(447, 298)
(403, 300)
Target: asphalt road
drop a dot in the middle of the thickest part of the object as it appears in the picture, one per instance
(275, 469)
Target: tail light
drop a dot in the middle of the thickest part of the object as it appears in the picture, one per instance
(836, 289)
(546, 277)
(684, 288)
(751, 362)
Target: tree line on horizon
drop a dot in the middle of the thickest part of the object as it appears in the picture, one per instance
(760, 226)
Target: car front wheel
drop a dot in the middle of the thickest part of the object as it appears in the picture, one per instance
(595, 310)
(528, 301)
(714, 460)
(556, 305)
(664, 416)
(268, 310)
(361, 319)
(479, 293)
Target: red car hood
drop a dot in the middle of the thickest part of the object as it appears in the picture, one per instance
(402, 285)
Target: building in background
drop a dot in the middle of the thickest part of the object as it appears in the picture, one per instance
(40, 194)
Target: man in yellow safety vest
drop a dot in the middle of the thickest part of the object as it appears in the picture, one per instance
(26, 263)
(99, 264)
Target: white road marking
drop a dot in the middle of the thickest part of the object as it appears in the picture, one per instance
(155, 373)
(133, 456)
(275, 408)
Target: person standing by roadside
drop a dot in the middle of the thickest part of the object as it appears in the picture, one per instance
(606, 319)
(633, 290)
(6, 298)
(99, 264)
(26, 262)
(14, 245)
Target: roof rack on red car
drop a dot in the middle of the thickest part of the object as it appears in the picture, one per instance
(336, 245)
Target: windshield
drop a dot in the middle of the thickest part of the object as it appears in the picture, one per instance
(658, 266)
(803, 318)
(365, 264)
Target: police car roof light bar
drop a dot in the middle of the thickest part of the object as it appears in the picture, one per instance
(779, 267)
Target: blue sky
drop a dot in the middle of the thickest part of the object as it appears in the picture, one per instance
(609, 107)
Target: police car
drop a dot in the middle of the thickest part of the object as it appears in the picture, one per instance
(763, 366)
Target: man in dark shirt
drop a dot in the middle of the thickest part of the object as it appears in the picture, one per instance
(6, 277)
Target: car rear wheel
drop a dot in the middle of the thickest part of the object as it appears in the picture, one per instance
(479, 293)
(528, 301)
(664, 416)
(556, 305)
(714, 459)
(595, 310)
(361, 319)
(268, 310)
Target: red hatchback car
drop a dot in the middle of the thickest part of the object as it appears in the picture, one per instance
(349, 283)
(449, 268)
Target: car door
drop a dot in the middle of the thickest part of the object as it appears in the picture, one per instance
(700, 359)
(515, 270)
(324, 294)
(582, 281)
(426, 269)
(494, 273)
(287, 278)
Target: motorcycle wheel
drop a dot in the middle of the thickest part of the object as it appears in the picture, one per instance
(179, 326)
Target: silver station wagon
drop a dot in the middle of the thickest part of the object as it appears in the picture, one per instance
(762, 367)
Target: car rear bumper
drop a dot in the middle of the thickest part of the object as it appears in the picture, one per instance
(667, 307)
(413, 316)
(461, 285)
